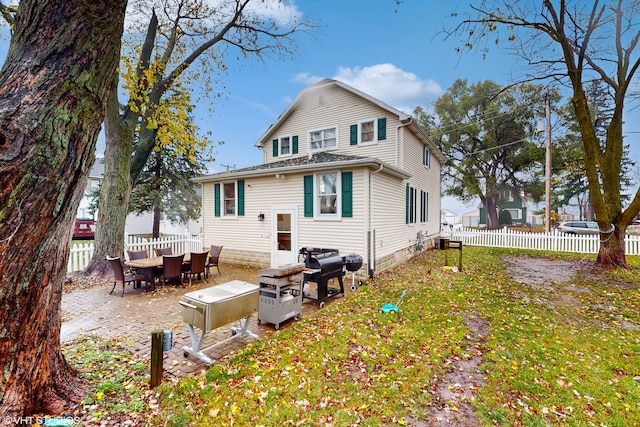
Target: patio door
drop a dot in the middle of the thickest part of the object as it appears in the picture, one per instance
(284, 232)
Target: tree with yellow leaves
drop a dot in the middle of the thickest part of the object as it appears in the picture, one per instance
(184, 40)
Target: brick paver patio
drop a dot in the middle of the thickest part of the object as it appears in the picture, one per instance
(131, 319)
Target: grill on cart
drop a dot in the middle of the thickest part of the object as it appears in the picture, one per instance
(353, 263)
(322, 265)
(280, 294)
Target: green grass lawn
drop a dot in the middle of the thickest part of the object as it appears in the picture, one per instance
(562, 354)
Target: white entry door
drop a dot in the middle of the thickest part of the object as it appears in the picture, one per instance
(284, 244)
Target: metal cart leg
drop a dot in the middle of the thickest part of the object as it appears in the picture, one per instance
(196, 342)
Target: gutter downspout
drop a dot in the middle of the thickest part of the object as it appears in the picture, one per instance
(372, 260)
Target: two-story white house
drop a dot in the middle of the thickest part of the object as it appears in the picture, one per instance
(341, 170)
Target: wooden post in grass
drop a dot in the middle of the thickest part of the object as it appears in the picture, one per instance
(157, 357)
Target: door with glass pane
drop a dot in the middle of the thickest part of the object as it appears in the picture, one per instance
(284, 245)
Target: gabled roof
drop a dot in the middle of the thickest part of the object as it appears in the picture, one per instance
(403, 117)
(317, 162)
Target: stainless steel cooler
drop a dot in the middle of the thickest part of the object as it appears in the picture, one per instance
(210, 308)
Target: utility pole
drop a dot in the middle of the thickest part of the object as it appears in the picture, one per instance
(547, 193)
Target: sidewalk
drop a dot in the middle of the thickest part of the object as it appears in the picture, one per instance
(132, 318)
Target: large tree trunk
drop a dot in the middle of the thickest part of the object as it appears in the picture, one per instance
(157, 212)
(612, 250)
(491, 207)
(61, 60)
(115, 189)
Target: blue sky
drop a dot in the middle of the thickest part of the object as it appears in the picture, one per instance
(392, 52)
(395, 53)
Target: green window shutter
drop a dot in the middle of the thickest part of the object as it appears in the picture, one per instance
(347, 194)
(294, 142)
(275, 148)
(308, 195)
(241, 197)
(216, 200)
(353, 135)
(407, 204)
(382, 129)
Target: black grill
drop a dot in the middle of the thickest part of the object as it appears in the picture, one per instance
(352, 262)
(322, 265)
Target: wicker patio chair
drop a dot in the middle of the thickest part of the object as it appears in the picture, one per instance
(171, 270)
(214, 258)
(120, 278)
(197, 265)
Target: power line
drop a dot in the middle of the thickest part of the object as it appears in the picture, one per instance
(480, 117)
(497, 146)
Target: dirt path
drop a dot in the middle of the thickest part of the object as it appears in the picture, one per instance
(455, 391)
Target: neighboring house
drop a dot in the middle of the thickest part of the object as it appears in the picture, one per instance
(515, 204)
(93, 183)
(471, 219)
(340, 170)
(135, 224)
(448, 218)
(565, 216)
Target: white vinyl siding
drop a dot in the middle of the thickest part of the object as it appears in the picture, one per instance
(392, 234)
(251, 235)
(423, 179)
(320, 109)
(348, 234)
(340, 109)
(248, 234)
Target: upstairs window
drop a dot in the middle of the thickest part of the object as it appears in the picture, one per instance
(426, 156)
(285, 146)
(367, 132)
(323, 139)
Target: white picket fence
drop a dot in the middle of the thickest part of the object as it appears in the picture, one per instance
(552, 241)
(81, 254)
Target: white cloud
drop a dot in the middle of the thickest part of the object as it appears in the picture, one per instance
(283, 12)
(306, 79)
(400, 89)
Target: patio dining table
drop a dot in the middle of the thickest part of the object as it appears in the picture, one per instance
(152, 267)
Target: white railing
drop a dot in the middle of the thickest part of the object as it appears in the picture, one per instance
(180, 244)
(553, 241)
(81, 254)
